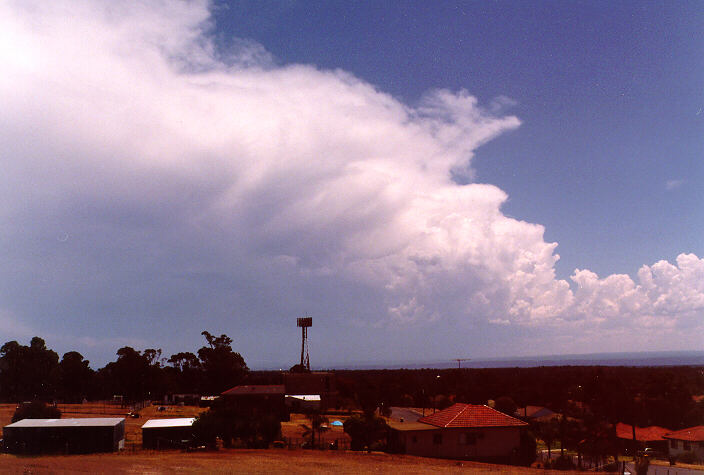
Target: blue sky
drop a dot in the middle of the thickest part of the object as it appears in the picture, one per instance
(406, 173)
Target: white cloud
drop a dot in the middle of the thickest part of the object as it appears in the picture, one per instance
(126, 130)
(673, 184)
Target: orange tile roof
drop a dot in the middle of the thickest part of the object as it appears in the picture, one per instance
(471, 415)
(644, 434)
(692, 434)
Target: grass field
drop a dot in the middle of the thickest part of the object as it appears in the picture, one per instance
(250, 461)
(136, 460)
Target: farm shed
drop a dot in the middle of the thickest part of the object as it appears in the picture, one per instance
(98, 434)
(166, 433)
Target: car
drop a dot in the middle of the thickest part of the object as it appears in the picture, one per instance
(651, 453)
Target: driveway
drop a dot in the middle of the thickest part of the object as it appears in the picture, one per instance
(663, 470)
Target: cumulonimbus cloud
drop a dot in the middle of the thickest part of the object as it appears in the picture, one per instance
(124, 126)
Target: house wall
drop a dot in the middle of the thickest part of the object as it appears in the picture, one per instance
(494, 442)
(679, 447)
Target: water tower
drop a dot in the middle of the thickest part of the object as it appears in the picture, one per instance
(304, 323)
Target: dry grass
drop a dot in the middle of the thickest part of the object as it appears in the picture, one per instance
(228, 460)
(251, 461)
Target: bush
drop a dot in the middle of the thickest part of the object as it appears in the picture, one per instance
(563, 463)
(687, 457)
(366, 431)
(36, 410)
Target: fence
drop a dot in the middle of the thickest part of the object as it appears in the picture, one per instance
(340, 443)
(102, 407)
(584, 462)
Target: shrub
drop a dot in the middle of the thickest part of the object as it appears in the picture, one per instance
(36, 410)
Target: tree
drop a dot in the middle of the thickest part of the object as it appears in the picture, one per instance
(27, 372)
(365, 431)
(186, 372)
(134, 375)
(75, 377)
(506, 405)
(222, 367)
(548, 431)
(527, 450)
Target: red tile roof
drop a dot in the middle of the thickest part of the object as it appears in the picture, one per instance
(644, 434)
(471, 415)
(255, 390)
(692, 434)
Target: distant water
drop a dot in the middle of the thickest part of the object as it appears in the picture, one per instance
(654, 358)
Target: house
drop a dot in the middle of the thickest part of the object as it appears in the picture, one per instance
(462, 431)
(532, 413)
(303, 402)
(258, 399)
(687, 440)
(651, 436)
(84, 435)
(316, 383)
(167, 433)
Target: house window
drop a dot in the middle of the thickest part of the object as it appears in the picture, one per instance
(468, 438)
(437, 439)
(687, 445)
(414, 439)
(673, 444)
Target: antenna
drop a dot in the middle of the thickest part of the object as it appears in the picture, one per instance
(460, 360)
(304, 323)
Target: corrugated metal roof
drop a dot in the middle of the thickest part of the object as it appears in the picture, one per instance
(173, 422)
(255, 389)
(76, 422)
(408, 426)
(305, 397)
(471, 415)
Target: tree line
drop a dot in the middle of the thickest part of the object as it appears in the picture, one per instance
(667, 396)
(35, 372)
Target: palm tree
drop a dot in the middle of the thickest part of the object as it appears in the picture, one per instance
(318, 423)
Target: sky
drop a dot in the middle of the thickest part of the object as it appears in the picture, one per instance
(426, 180)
